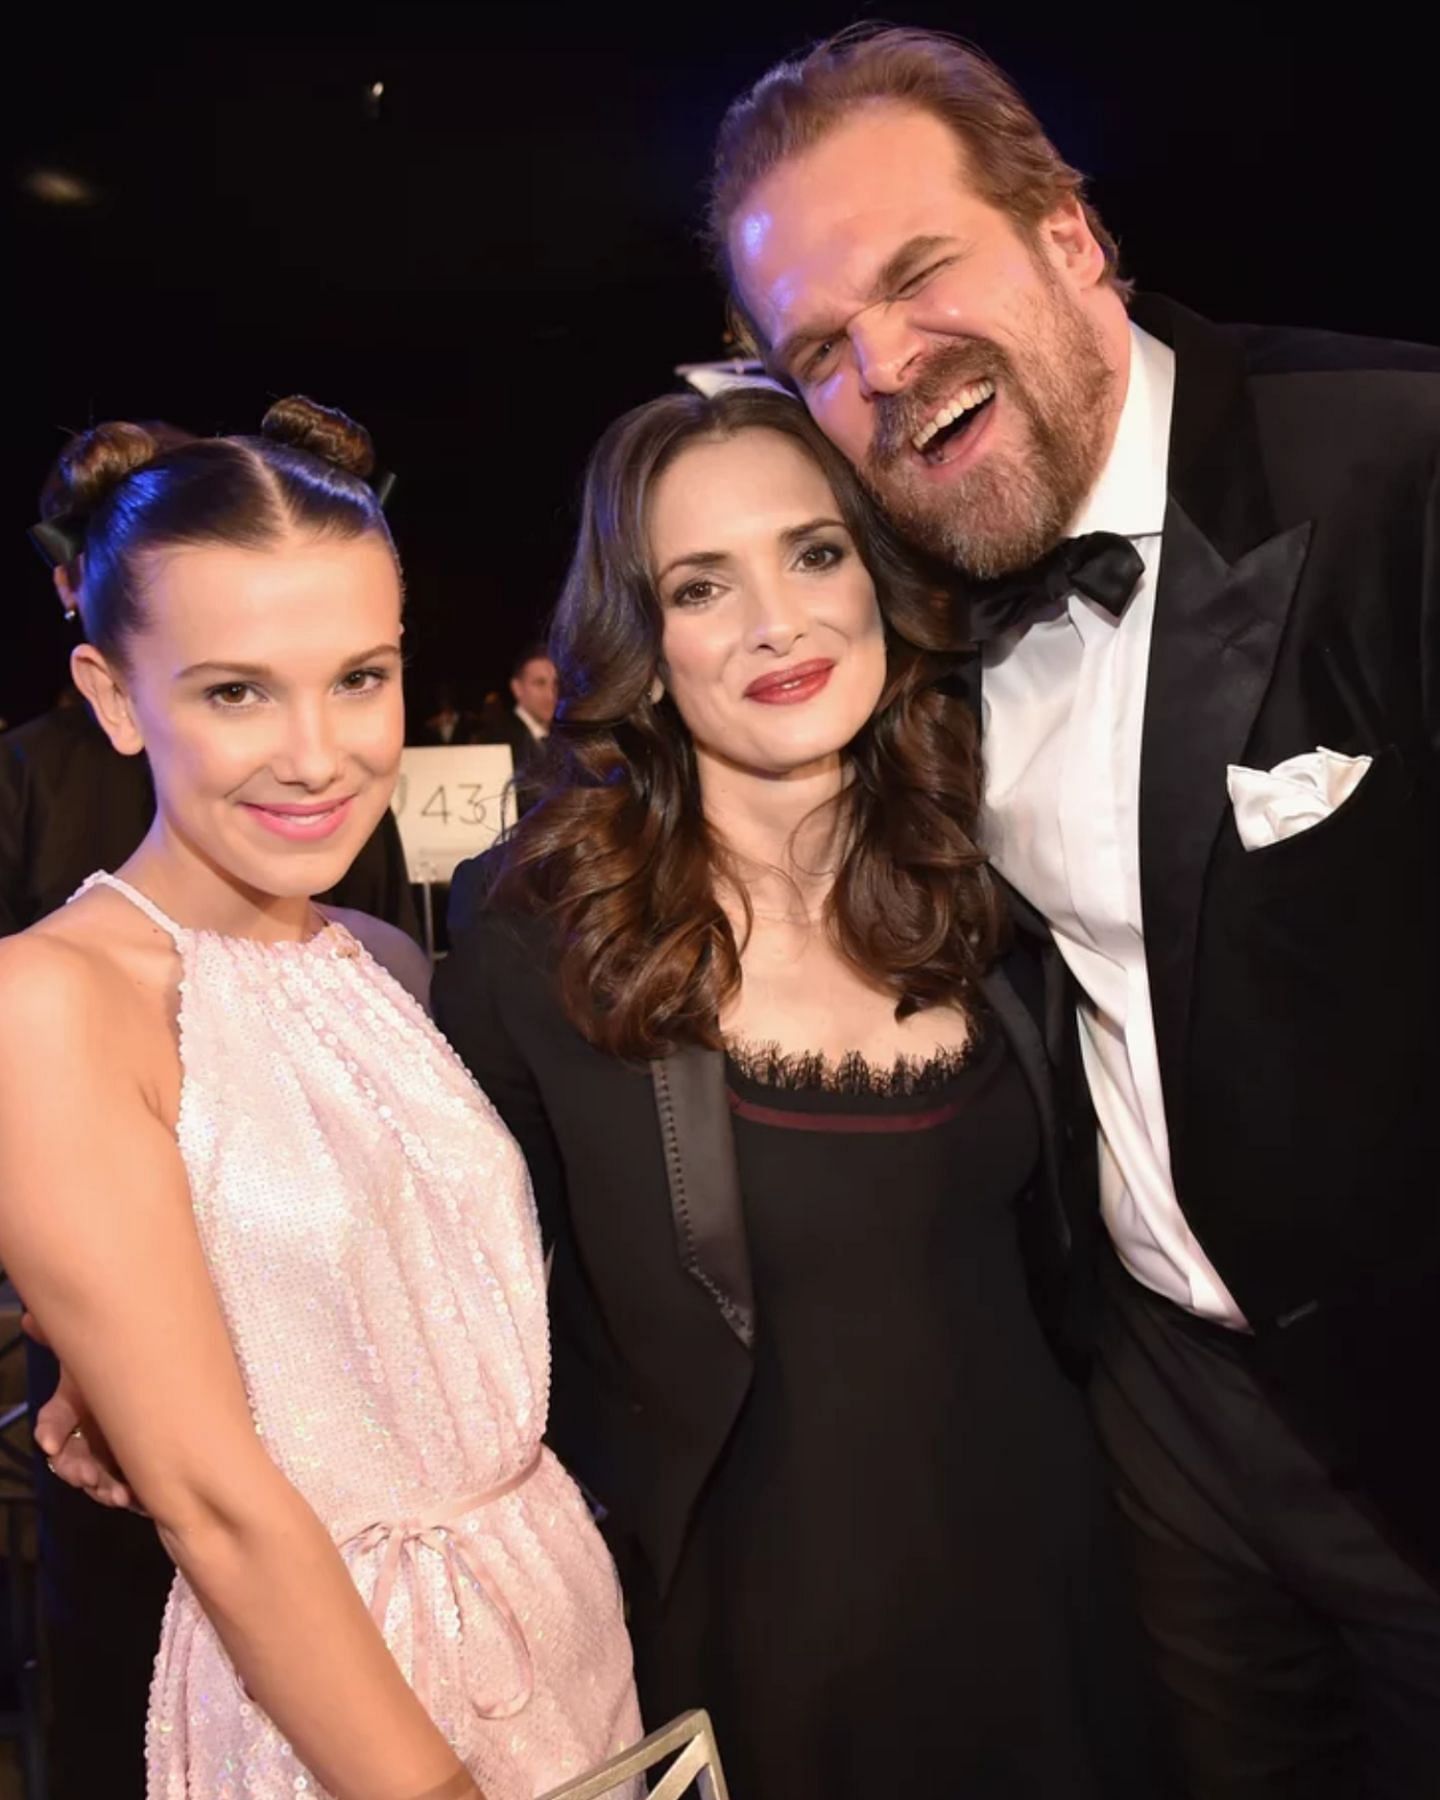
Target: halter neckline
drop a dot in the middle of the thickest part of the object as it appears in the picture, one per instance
(180, 935)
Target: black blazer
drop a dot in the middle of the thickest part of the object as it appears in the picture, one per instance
(525, 747)
(527, 755)
(651, 1303)
(1296, 989)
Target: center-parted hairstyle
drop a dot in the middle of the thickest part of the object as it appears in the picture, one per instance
(121, 492)
(1008, 158)
(618, 854)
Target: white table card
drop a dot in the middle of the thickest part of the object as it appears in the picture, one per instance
(451, 802)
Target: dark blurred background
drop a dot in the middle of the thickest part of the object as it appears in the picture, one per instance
(473, 226)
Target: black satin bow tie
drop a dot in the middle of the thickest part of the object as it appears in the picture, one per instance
(1103, 566)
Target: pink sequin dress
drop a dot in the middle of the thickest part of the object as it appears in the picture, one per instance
(371, 1234)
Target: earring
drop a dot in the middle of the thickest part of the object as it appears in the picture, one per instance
(656, 691)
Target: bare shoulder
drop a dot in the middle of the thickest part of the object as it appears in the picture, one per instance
(92, 984)
(396, 952)
(56, 994)
(39, 963)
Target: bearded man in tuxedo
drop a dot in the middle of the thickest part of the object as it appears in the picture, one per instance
(1200, 571)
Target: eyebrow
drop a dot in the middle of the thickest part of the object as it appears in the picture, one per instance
(711, 559)
(260, 671)
(891, 274)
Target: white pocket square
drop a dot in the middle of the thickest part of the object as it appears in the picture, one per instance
(1278, 803)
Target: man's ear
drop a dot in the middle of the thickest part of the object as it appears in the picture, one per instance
(1070, 247)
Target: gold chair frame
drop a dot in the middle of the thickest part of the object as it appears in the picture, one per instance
(697, 1765)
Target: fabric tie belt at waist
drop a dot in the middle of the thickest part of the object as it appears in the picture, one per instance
(435, 1530)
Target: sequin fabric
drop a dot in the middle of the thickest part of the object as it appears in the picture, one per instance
(371, 1234)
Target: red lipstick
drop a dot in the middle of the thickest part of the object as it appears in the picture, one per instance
(787, 687)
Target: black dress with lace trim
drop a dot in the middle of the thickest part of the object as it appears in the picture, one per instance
(900, 1576)
(796, 1071)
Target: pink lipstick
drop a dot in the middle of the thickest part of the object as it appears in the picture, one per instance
(302, 824)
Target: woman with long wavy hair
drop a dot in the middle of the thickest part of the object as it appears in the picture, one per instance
(733, 984)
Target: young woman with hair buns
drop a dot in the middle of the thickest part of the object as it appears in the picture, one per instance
(280, 1241)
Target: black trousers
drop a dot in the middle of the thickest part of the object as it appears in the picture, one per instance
(103, 1584)
(1299, 1651)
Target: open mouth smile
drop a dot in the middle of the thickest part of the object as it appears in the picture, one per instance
(952, 423)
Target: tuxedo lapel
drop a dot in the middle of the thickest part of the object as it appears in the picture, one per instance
(704, 1181)
(1029, 1050)
(1226, 584)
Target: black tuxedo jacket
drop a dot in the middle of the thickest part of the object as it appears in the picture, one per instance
(651, 1302)
(1296, 988)
(527, 756)
(524, 746)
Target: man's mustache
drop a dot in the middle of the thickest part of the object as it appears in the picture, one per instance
(899, 416)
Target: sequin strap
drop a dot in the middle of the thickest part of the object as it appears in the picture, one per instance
(436, 1531)
(102, 878)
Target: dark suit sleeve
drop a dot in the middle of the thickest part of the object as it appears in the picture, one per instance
(13, 908)
(472, 1016)
(470, 887)
(1430, 615)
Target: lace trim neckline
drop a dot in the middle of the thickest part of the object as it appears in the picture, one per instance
(853, 1075)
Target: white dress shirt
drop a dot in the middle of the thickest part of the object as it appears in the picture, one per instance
(1064, 701)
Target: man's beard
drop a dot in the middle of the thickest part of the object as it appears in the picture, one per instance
(1014, 505)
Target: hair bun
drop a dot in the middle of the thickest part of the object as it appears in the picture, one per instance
(94, 463)
(324, 431)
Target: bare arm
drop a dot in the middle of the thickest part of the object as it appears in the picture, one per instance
(97, 1232)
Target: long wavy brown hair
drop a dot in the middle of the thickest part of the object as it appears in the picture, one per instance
(618, 854)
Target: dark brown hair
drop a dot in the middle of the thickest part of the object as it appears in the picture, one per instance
(537, 650)
(1009, 159)
(618, 854)
(124, 491)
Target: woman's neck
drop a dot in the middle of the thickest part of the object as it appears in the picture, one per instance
(780, 832)
(196, 893)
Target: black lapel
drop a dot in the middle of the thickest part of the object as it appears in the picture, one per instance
(704, 1181)
(1059, 994)
(1226, 584)
(1020, 1028)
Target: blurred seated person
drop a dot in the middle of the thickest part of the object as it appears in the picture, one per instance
(450, 723)
(534, 689)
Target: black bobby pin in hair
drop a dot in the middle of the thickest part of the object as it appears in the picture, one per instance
(58, 540)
